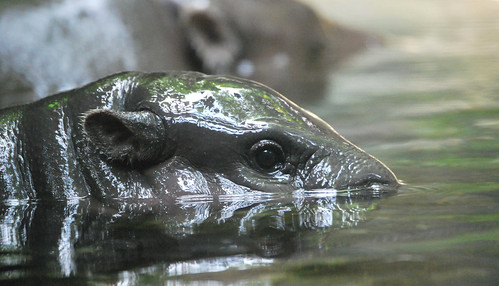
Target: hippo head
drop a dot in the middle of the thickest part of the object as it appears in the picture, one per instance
(192, 133)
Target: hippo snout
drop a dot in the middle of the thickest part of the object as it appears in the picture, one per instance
(375, 175)
(350, 169)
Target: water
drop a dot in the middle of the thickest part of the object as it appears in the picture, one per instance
(426, 103)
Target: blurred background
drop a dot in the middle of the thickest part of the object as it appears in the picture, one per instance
(51, 46)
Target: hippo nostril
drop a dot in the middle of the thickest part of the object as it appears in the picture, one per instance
(372, 179)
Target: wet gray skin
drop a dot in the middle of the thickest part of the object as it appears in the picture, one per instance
(161, 135)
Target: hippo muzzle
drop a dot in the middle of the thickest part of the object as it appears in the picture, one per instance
(171, 134)
(351, 169)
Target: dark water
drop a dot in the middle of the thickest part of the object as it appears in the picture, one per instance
(426, 104)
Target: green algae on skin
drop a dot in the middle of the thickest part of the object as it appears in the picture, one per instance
(179, 86)
(57, 104)
(237, 99)
(9, 116)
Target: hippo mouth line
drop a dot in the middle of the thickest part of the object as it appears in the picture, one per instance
(373, 182)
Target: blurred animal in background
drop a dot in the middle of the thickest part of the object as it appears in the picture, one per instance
(47, 47)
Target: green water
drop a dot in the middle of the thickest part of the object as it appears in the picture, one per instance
(426, 104)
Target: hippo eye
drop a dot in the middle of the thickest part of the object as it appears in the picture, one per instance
(267, 155)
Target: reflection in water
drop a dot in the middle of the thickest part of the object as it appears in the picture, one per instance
(195, 235)
(218, 264)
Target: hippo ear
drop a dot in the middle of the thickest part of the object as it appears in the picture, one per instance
(211, 37)
(134, 138)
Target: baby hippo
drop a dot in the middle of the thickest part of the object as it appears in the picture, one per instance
(163, 135)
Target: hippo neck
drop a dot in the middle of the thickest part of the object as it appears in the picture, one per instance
(46, 132)
(15, 179)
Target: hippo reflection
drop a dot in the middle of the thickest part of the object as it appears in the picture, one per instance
(164, 135)
(83, 237)
(57, 45)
